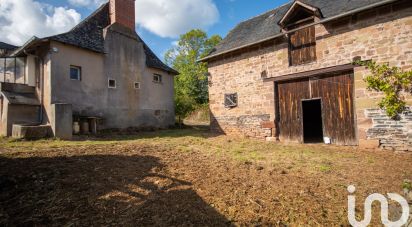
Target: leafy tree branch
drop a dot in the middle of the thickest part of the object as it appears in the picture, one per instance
(391, 81)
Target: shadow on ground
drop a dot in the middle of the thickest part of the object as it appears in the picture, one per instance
(98, 190)
(200, 131)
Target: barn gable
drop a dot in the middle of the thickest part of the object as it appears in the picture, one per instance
(299, 11)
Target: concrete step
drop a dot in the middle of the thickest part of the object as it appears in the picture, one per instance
(30, 132)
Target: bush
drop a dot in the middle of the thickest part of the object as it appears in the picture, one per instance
(184, 105)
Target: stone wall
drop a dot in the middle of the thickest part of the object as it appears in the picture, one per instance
(383, 34)
(255, 99)
(392, 134)
(246, 125)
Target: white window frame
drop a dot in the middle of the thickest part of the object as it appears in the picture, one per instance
(79, 76)
(137, 87)
(108, 83)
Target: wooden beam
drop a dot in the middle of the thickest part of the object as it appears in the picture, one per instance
(311, 73)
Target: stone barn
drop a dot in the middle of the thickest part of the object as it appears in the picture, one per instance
(288, 75)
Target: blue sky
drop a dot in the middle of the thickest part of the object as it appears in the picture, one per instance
(217, 17)
(231, 13)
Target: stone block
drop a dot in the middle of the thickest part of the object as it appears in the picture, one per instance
(369, 144)
(268, 124)
(62, 121)
(362, 134)
(272, 139)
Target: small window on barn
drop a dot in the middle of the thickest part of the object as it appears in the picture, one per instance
(231, 100)
(136, 85)
(157, 78)
(112, 83)
(75, 72)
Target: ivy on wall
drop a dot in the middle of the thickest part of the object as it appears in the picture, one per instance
(391, 81)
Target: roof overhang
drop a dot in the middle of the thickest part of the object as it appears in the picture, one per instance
(312, 73)
(28, 44)
(170, 71)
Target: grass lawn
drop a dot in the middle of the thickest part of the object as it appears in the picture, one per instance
(188, 177)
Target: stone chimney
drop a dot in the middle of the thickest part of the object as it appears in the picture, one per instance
(122, 12)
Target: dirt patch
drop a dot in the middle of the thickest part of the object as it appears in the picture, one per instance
(188, 178)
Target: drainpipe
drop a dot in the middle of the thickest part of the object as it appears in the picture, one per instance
(41, 78)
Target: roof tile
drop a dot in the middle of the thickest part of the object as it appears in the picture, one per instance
(6, 46)
(89, 35)
(266, 25)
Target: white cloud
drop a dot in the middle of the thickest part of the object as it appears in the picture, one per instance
(171, 18)
(21, 19)
(87, 3)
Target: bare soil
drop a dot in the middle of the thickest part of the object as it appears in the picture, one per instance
(188, 178)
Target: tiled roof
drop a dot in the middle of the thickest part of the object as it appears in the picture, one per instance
(266, 25)
(6, 46)
(89, 35)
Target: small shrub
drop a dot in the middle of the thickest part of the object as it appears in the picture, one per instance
(407, 185)
(325, 168)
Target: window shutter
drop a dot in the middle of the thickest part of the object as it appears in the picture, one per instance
(302, 46)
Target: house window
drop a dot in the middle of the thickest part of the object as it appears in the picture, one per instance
(157, 78)
(75, 72)
(231, 100)
(136, 85)
(112, 83)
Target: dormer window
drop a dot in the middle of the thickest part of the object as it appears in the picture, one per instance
(302, 39)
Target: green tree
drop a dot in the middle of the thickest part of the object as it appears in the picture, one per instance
(191, 86)
(392, 81)
(184, 105)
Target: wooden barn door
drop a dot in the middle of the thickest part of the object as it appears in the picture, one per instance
(290, 96)
(338, 114)
(336, 93)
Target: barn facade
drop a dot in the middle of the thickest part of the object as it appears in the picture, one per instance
(288, 75)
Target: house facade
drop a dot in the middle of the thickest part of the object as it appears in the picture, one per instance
(288, 75)
(99, 75)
